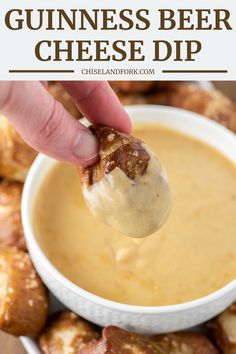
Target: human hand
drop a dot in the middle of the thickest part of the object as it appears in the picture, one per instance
(45, 124)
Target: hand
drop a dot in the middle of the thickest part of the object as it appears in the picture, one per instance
(45, 125)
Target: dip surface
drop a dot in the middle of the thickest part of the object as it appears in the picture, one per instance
(191, 256)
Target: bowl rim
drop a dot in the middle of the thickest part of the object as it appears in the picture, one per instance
(88, 296)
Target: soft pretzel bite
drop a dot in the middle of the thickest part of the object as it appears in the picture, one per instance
(126, 165)
(133, 86)
(222, 330)
(138, 87)
(60, 94)
(67, 333)
(11, 231)
(16, 156)
(118, 341)
(210, 103)
(23, 296)
(185, 343)
(133, 98)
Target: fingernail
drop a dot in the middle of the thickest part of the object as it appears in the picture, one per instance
(85, 147)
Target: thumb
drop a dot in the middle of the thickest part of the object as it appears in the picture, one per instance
(44, 123)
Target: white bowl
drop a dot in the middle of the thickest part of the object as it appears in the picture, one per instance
(157, 319)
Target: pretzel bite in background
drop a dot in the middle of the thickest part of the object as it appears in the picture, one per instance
(138, 87)
(117, 341)
(61, 95)
(185, 343)
(133, 86)
(210, 103)
(67, 333)
(133, 98)
(11, 230)
(16, 156)
(222, 330)
(23, 296)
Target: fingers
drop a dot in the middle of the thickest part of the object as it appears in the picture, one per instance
(45, 124)
(99, 104)
(44, 83)
(48, 127)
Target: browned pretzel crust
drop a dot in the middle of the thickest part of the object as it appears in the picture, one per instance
(116, 150)
(23, 296)
(222, 330)
(185, 343)
(11, 231)
(118, 341)
(133, 86)
(67, 333)
(16, 156)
